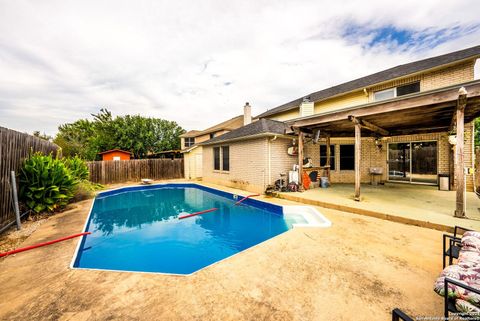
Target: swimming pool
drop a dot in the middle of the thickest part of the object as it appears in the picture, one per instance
(137, 229)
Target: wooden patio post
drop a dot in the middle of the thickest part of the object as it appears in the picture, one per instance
(327, 163)
(358, 142)
(460, 208)
(300, 160)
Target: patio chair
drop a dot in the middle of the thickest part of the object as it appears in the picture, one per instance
(450, 304)
(398, 315)
(454, 244)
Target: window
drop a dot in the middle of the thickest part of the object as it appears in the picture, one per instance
(323, 156)
(212, 135)
(347, 157)
(221, 158)
(225, 158)
(116, 158)
(189, 141)
(397, 91)
(216, 158)
(384, 94)
(408, 89)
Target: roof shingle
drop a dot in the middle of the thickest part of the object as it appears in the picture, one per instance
(385, 75)
(262, 126)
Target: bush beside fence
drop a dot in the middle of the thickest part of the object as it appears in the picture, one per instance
(109, 172)
(14, 148)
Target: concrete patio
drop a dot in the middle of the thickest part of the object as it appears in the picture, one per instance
(358, 269)
(419, 205)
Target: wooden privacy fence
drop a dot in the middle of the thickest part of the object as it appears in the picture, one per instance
(14, 148)
(108, 172)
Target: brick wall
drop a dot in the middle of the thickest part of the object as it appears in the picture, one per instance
(448, 76)
(373, 156)
(455, 74)
(248, 165)
(250, 168)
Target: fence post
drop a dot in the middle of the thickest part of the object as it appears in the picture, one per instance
(15, 200)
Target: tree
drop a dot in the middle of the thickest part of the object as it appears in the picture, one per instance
(44, 136)
(134, 133)
(76, 139)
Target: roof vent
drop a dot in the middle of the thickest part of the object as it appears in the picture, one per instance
(306, 107)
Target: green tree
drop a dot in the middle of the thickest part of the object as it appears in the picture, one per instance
(43, 136)
(137, 134)
(76, 138)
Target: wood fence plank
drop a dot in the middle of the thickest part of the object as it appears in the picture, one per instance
(111, 172)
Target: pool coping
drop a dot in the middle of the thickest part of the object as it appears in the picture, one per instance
(311, 209)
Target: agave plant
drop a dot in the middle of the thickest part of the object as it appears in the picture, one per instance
(46, 184)
(78, 168)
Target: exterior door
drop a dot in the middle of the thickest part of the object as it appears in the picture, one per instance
(414, 162)
(399, 162)
(424, 162)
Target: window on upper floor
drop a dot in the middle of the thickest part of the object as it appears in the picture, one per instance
(212, 135)
(189, 141)
(397, 91)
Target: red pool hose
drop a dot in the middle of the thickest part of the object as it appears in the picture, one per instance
(198, 213)
(22, 249)
(246, 198)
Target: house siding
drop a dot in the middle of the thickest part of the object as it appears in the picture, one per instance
(250, 168)
(442, 77)
(372, 156)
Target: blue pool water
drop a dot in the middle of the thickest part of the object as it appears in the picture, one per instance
(137, 229)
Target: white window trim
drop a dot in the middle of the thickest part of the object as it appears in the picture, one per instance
(220, 154)
(389, 89)
(384, 91)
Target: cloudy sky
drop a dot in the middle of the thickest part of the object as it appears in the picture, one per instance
(198, 62)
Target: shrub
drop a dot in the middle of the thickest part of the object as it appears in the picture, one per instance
(78, 168)
(46, 184)
(85, 190)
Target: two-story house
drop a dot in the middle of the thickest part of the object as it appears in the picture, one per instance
(400, 123)
(190, 142)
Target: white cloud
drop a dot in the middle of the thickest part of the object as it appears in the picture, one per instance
(195, 62)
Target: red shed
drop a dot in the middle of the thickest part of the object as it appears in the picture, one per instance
(115, 154)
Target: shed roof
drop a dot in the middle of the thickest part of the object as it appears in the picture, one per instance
(115, 150)
(379, 77)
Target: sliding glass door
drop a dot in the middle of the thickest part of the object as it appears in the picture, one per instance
(414, 162)
(399, 162)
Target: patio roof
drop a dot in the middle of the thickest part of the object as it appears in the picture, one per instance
(428, 111)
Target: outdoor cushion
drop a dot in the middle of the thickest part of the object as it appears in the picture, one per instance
(468, 259)
(469, 275)
(471, 241)
(466, 307)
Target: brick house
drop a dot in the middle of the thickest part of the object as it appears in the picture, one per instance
(193, 151)
(399, 123)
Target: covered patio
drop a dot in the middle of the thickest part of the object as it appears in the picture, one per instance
(419, 205)
(444, 110)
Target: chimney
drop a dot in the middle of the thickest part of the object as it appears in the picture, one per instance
(247, 114)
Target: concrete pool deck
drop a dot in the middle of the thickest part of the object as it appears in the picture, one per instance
(358, 269)
(418, 205)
